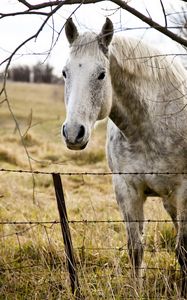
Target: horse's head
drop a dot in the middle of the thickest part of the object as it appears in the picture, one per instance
(88, 91)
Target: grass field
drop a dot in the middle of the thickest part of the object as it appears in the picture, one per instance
(32, 263)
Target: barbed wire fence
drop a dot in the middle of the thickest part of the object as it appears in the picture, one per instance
(63, 221)
(70, 266)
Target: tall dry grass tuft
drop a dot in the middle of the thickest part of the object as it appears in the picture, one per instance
(8, 156)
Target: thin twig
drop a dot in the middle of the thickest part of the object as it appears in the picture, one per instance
(164, 13)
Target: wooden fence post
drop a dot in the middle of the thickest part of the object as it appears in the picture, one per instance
(71, 264)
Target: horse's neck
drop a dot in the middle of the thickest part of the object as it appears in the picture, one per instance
(147, 117)
(129, 110)
(150, 110)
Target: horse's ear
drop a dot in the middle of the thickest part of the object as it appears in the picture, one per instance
(71, 31)
(107, 32)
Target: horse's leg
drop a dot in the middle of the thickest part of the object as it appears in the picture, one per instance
(130, 201)
(171, 210)
(181, 246)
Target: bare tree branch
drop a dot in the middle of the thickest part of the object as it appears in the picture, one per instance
(152, 23)
(41, 5)
(27, 12)
(122, 4)
(25, 3)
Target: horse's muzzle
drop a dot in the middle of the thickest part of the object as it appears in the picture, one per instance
(75, 139)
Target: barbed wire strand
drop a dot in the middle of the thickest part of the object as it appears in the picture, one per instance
(88, 173)
(89, 221)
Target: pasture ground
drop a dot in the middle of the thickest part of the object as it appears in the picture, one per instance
(32, 262)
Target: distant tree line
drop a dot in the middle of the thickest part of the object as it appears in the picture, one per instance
(39, 73)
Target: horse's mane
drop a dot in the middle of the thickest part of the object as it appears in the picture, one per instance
(141, 60)
(133, 56)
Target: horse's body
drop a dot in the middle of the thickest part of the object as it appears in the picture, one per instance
(144, 95)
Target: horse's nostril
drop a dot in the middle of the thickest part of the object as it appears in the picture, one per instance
(64, 131)
(73, 134)
(81, 133)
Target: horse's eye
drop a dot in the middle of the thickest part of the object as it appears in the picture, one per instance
(101, 76)
(64, 74)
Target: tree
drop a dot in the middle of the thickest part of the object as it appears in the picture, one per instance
(20, 73)
(43, 73)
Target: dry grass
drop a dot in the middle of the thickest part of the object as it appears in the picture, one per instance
(32, 264)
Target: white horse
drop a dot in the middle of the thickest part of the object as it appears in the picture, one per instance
(143, 93)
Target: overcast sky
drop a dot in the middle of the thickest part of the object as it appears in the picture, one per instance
(14, 30)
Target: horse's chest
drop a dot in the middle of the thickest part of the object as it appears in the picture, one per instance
(128, 157)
